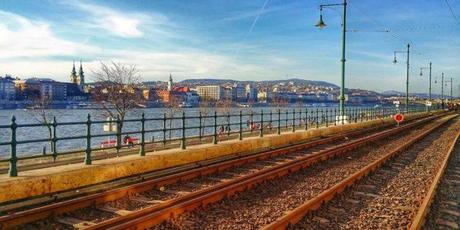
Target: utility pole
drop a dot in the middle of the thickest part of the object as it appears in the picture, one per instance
(429, 91)
(407, 79)
(442, 90)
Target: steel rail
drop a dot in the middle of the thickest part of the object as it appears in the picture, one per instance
(298, 213)
(156, 214)
(420, 217)
(42, 212)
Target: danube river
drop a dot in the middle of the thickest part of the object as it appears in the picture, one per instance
(79, 115)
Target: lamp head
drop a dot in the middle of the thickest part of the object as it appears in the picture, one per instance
(321, 23)
(395, 61)
(421, 73)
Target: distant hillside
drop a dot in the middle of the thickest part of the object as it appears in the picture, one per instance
(295, 81)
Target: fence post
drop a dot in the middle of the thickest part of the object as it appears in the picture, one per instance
(228, 125)
(164, 129)
(54, 139)
(214, 141)
(261, 134)
(13, 171)
(279, 122)
(118, 134)
(306, 118)
(88, 140)
(287, 119)
(200, 126)
(142, 147)
(317, 117)
(271, 121)
(293, 120)
(182, 143)
(240, 136)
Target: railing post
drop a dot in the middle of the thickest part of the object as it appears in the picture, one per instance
(261, 134)
(228, 124)
(271, 121)
(200, 126)
(240, 136)
(88, 140)
(293, 120)
(13, 170)
(214, 141)
(317, 117)
(279, 122)
(182, 143)
(164, 129)
(54, 150)
(142, 147)
(300, 117)
(118, 134)
(287, 119)
(327, 119)
(306, 118)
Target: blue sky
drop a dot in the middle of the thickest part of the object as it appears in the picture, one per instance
(236, 39)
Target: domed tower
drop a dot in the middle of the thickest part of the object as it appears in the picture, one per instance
(73, 75)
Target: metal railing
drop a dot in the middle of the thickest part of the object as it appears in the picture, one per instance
(184, 128)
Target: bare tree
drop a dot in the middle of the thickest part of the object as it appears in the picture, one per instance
(117, 90)
(205, 108)
(171, 107)
(40, 111)
(224, 107)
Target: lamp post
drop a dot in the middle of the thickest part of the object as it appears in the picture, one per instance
(321, 25)
(451, 81)
(407, 72)
(442, 89)
(429, 86)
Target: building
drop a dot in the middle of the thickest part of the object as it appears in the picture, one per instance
(7, 88)
(239, 92)
(45, 88)
(251, 93)
(210, 92)
(78, 79)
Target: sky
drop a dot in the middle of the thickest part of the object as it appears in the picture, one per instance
(237, 39)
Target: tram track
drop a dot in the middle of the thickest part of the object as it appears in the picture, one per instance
(162, 196)
(395, 195)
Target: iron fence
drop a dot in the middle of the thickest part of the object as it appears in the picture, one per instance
(183, 128)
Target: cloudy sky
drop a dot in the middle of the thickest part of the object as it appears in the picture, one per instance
(239, 39)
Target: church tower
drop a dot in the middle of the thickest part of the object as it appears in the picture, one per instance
(73, 75)
(81, 77)
(170, 83)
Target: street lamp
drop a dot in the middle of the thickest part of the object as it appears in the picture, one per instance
(442, 89)
(407, 72)
(429, 87)
(451, 81)
(321, 25)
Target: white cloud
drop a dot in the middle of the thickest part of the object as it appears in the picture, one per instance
(21, 37)
(122, 24)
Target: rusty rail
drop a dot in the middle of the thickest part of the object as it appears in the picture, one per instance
(298, 213)
(420, 217)
(154, 215)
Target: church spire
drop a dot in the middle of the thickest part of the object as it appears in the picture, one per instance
(170, 82)
(81, 76)
(73, 74)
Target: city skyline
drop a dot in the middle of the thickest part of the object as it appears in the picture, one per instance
(257, 40)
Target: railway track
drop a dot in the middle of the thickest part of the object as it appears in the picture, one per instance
(150, 202)
(269, 202)
(396, 194)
